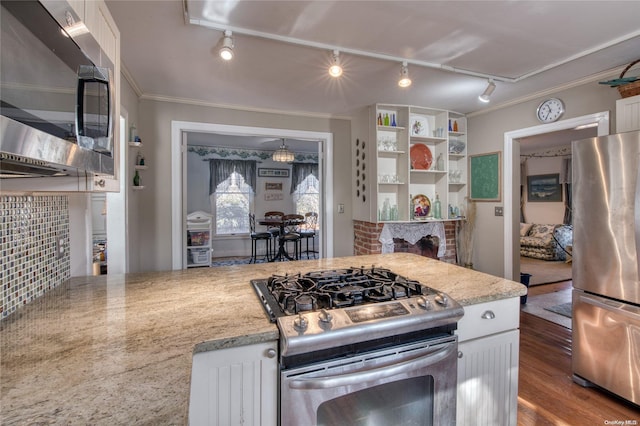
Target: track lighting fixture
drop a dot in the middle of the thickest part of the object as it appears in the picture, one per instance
(283, 155)
(335, 70)
(404, 81)
(486, 95)
(226, 51)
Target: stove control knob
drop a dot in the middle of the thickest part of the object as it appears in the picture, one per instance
(300, 323)
(325, 316)
(424, 303)
(442, 299)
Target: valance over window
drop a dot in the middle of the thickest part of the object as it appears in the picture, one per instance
(220, 170)
(299, 171)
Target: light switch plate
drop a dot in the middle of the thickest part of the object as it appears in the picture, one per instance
(340, 208)
(498, 211)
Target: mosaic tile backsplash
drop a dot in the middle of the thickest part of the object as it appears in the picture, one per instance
(30, 229)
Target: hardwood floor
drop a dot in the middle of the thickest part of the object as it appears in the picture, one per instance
(547, 394)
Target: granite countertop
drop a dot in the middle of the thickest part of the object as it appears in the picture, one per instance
(117, 349)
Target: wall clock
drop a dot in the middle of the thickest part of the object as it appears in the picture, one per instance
(550, 110)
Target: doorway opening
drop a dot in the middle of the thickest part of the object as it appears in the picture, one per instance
(180, 134)
(511, 181)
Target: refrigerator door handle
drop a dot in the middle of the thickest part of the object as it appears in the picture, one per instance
(625, 309)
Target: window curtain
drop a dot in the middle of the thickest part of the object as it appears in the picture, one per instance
(299, 171)
(523, 180)
(220, 170)
(565, 180)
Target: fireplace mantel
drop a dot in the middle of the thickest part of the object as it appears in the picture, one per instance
(388, 237)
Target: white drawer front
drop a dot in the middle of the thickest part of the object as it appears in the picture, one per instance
(488, 318)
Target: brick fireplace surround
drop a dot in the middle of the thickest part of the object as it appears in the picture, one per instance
(366, 235)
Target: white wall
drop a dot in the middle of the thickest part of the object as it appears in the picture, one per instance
(154, 202)
(486, 134)
(129, 102)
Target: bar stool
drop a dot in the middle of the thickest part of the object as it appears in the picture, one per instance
(291, 235)
(274, 230)
(308, 232)
(258, 236)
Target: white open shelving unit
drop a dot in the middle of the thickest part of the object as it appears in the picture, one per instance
(397, 163)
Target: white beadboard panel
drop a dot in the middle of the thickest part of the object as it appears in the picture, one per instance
(234, 386)
(488, 380)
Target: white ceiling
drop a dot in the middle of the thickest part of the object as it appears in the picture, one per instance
(169, 50)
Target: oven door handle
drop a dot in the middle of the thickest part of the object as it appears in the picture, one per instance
(373, 374)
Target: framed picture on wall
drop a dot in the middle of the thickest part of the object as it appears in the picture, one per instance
(544, 188)
(277, 173)
(273, 186)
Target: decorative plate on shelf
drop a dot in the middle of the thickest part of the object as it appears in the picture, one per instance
(456, 146)
(421, 157)
(421, 206)
(419, 126)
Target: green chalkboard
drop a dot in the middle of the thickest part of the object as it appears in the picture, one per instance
(484, 172)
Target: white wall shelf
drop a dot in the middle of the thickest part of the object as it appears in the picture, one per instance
(384, 153)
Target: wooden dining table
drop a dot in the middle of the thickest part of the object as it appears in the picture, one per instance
(282, 223)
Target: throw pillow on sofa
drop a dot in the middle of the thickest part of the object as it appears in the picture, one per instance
(541, 231)
(525, 228)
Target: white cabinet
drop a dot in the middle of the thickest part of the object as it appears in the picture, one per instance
(199, 232)
(628, 114)
(408, 151)
(100, 23)
(235, 386)
(488, 353)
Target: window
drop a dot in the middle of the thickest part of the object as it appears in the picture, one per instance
(232, 203)
(306, 196)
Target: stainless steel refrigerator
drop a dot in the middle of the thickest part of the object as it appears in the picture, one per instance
(606, 250)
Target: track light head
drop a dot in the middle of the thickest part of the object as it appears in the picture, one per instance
(226, 51)
(404, 81)
(486, 95)
(335, 70)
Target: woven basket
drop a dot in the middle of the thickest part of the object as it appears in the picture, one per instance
(629, 89)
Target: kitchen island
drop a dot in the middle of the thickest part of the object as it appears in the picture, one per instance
(118, 349)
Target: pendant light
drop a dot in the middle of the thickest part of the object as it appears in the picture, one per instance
(283, 155)
(486, 95)
(404, 81)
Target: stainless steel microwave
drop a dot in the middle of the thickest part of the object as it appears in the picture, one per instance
(56, 103)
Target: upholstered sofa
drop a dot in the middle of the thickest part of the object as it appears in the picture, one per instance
(546, 242)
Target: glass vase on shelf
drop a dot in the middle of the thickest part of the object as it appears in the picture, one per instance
(386, 209)
(136, 179)
(437, 208)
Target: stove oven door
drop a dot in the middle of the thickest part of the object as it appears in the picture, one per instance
(412, 384)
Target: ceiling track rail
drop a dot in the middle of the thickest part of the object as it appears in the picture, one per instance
(425, 64)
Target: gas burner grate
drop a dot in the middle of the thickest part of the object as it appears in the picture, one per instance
(339, 288)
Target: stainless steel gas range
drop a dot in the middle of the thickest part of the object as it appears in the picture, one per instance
(363, 346)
